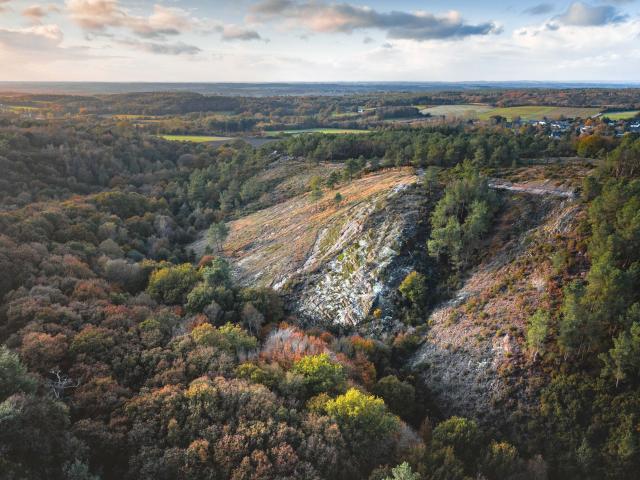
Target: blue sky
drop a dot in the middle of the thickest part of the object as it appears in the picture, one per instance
(318, 40)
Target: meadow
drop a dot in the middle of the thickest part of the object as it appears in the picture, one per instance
(540, 112)
(485, 112)
(195, 138)
(326, 131)
(452, 111)
(622, 115)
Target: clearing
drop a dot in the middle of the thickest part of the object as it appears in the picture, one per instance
(195, 138)
(453, 111)
(326, 131)
(622, 115)
(540, 112)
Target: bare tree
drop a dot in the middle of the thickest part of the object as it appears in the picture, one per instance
(59, 382)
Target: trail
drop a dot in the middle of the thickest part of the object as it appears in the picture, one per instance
(545, 189)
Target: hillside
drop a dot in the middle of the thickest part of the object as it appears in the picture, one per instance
(336, 261)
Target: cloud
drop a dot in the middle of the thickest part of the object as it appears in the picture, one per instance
(41, 37)
(156, 48)
(97, 16)
(3, 4)
(36, 13)
(238, 33)
(582, 15)
(37, 45)
(322, 17)
(540, 9)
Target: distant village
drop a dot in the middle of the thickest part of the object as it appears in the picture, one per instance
(599, 123)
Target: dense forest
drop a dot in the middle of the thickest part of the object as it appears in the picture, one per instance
(127, 356)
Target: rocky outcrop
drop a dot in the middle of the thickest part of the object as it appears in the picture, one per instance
(335, 261)
(357, 264)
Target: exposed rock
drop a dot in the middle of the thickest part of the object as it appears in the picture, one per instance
(335, 262)
(373, 253)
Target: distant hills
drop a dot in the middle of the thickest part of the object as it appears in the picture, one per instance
(292, 88)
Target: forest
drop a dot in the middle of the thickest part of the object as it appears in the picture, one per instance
(126, 355)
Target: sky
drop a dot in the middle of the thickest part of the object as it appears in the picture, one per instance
(318, 40)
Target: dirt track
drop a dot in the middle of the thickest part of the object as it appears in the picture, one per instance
(544, 188)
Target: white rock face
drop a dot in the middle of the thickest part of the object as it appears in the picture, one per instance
(344, 282)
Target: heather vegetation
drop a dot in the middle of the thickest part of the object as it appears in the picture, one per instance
(128, 355)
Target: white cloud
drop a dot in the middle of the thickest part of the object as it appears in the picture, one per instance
(582, 15)
(321, 17)
(97, 16)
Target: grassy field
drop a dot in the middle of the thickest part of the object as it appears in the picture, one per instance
(326, 131)
(452, 111)
(131, 117)
(20, 108)
(485, 112)
(539, 112)
(628, 115)
(194, 138)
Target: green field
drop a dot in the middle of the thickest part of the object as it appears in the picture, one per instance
(194, 138)
(131, 117)
(540, 112)
(20, 108)
(485, 112)
(327, 131)
(452, 111)
(628, 115)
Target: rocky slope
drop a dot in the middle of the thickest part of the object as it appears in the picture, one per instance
(474, 358)
(336, 262)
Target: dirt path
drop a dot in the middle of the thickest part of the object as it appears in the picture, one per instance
(545, 188)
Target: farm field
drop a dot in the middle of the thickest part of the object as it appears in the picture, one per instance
(539, 112)
(468, 110)
(327, 131)
(627, 115)
(194, 138)
(485, 112)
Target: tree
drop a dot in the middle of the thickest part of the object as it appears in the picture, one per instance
(463, 436)
(414, 288)
(217, 234)
(320, 374)
(229, 337)
(14, 377)
(338, 198)
(501, 461)
(623, 360)
(403, 472)
(362, 415)
(172, 284)
(430, 180)
(316, 189)
(537, 329)
(217, 272)
(399, 396)
(351, 167)
(462, 217)
(333, 179)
